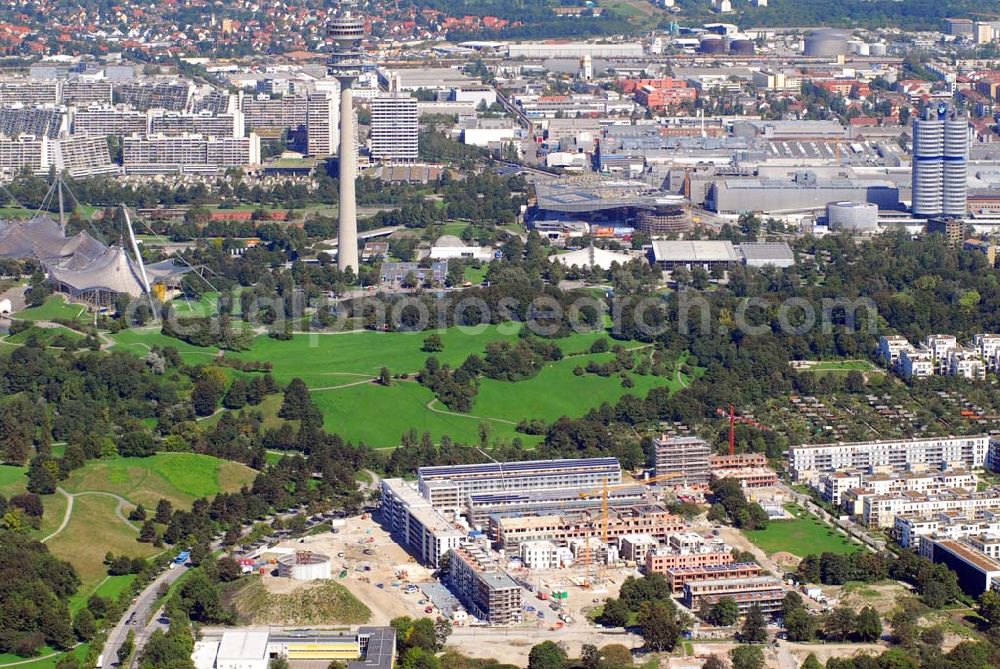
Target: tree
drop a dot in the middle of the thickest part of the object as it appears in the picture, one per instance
(590, 656)
(137, 514)
(714, 661)
(125, 650)
(988, 607)
(792, 601)
(747, 657)
(546, 655)
(384, 377)
(280, 662)
(433, 344)
(147, 534)
(615, 656)
(296, 402)
(868, 627)
(41, 479)
(164, 511)
(800, 625)
(615, 613)
(811, 662)
(660, 629)
(754, 626)
(84, 625)
(724, 612)
(839, 624)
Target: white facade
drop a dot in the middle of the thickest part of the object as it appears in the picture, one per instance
(486, 136)
(882, 510)
(809, 461)
(416, 525)
(890, 347)
(158, 154)
(916, 364)
(394, 129)
(539, 555)
(322, 122)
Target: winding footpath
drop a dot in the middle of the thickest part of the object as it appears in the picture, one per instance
(123, 504)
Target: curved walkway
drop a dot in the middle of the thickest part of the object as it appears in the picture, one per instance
(71, 496)
(430, 405)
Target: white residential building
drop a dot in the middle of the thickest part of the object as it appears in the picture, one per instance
(808, 461)
(890, 347)
(394, 129)
(880, 511)
(415, 524)
(916, 364)
(940, 346)
(322, 124)
(966, 362)
(539, 555)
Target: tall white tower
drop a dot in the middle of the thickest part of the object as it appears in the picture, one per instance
(346, 33)
(940, 163)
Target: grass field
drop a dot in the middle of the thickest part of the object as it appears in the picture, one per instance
(54, 307)
(45, 335)
(322, 603)
(14, 482)
(93, 530)
(80, 652)
(178, 477)
(475, 274)
(841, 366)
(140, 340)
(802, 536)
(339, 368)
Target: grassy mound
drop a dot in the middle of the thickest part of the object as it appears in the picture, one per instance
(320, 603)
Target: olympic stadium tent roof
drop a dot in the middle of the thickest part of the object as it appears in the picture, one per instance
(114, 272)
(42, 238)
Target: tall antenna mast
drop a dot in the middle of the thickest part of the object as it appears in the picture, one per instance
(62, 208)
(138, 259)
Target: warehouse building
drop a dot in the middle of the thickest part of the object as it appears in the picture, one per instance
(707, 254)
(447, 487)
(478, 581)
(766, 254)
(415, 524)
(575, 50)
(804, 192)
(368, 648)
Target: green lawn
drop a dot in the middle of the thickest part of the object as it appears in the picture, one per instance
(802, 536)
(80, 652)
(339, 368)
(475, 274)
(179, 477)
(93, 530)
(54, 307)
(843, 366)
(140, 340)
(46, 335)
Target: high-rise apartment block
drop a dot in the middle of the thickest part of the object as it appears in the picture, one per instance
(164, 154)
(394, 130)
(322, 121)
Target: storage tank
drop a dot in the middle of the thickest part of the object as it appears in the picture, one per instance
(877, 49)
(826, 42)
(711, 44)
(741, 46)
(852, 216)
(304, 566)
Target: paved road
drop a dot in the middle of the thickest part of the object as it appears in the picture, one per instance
(136, 616)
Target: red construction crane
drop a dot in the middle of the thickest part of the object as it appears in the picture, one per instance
(733, 418)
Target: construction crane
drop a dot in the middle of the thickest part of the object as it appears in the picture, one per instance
(733, 419)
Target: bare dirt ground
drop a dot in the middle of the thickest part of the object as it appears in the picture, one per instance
(370, 557)
(880, 596)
